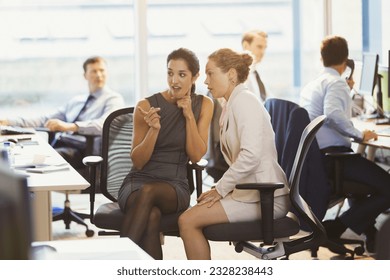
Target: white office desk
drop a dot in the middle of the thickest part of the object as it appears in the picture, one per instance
(383, 142)
(41, 185)
(106, 248)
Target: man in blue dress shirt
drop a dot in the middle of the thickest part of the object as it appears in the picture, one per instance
(329, 94)
(83, 114)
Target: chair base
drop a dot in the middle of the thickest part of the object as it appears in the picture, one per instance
(264, 252)
(68, 216)
(338, 246)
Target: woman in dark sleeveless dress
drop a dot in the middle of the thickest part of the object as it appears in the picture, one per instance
(170, 128)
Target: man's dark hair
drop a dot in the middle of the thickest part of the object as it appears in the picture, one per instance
(334, 51)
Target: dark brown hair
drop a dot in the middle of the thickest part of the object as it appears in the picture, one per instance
(190, 58)
(334, 50)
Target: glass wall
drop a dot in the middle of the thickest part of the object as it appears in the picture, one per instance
(205, 26)
(385, 32)
(44, 42)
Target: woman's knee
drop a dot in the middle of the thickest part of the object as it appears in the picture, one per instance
(146, 193)
(155, 215)
(186, 221)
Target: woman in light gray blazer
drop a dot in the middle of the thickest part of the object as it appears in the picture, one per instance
(248, 146)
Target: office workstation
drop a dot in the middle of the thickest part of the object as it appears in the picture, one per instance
(21, 214)
(136, 47)
(374, 114)
(46, 171)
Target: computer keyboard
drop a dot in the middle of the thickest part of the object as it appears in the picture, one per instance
(15, 130)
(382, 121)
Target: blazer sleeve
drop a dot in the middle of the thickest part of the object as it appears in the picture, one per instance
(244, 135)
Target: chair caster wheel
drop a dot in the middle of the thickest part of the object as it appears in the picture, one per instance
(239, 247)
(359, 251)
(89, 233)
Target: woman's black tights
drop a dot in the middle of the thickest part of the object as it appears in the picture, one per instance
(143, 214)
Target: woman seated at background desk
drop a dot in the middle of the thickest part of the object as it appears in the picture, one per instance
(248, 145)
(170, 128)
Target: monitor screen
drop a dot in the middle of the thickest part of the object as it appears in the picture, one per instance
(15, 219)
(384, 72)
(369, 73)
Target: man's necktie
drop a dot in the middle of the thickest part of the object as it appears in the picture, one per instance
(59, 134)
(90, 97)
(263, 94)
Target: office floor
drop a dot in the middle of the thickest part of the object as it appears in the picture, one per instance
(173, 246)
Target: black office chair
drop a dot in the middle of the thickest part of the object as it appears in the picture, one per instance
(115, 163)
(344, 190)
(288, 120)
(382, 250)
(216, 165)
(275, 234)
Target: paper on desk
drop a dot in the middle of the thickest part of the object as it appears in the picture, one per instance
(25, 161)
(48, 168)
(117, 255)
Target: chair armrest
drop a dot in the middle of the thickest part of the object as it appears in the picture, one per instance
(90, 142)
(338, 168)
(343, 155)
(92, 162)
(199, 165)
(260, 186)
(198, 168)
(267, 191)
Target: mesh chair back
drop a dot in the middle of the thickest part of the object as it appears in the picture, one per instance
(116, 147)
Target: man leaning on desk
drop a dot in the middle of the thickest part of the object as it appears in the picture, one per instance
(83, 114)
(329, 94)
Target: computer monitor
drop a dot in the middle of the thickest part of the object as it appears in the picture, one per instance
(368, 76)
(15, 219)
(387, 96)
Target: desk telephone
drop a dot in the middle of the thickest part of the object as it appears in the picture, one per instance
(351, 65)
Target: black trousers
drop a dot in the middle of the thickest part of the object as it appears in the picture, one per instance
(363, 211)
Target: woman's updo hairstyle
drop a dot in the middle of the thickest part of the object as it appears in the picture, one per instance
(225, 59)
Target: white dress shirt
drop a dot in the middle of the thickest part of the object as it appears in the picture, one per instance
(90, 121)
(329, 95)
(252, 84)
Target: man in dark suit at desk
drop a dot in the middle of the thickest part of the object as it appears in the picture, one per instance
(329, 94)
(83, 114)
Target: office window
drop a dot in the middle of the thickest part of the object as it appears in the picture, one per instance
(44, 44)
(312, 33)
(205, 26)
(351, 27)
(347, 22)
(385, 32)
